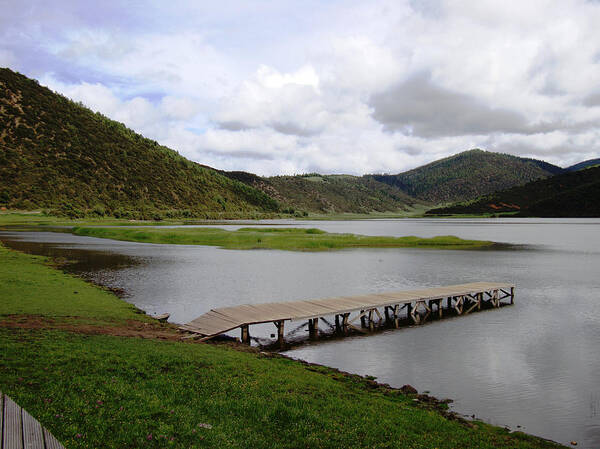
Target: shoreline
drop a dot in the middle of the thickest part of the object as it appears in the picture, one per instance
(369, 385)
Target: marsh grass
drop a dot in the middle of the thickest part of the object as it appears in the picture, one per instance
(290, 239)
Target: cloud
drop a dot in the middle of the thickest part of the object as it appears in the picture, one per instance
(290, 103)
(419, 107)
(349, 86)
(592, 99)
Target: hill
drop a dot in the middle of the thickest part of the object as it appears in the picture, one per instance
(329, 193)
(572, 194)
(584, 164)
(468, 175)
(57, 154)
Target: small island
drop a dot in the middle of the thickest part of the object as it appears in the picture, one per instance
(289, 239)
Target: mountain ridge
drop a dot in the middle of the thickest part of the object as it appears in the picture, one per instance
(570, 194)
(583, 164)
(467, 175)
(324, 194)
(57, 154)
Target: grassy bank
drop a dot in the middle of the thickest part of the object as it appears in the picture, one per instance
(291, 239)
(37, 218)
(62, 360)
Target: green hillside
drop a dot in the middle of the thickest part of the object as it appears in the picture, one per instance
(584, 164)
(572, 194)
(59, 155)
(329, 193)
(468, 175)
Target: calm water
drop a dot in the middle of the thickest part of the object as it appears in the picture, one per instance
(535, 364)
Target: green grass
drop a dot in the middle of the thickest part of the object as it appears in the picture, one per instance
(290, 239)
(40, 219)
(96, 391)
(29, 287)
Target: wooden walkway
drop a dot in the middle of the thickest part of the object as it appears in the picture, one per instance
(419, 304)
(19, 430)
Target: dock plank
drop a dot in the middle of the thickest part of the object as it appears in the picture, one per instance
(1, 418)
(223, 319)
(33, 435)
(18, 429)
(13, 426)
(51, 442)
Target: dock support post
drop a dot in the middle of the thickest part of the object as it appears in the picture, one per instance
(363, 319)
(439, 306)
(449, 303)
(337, 323)
(345, 325)
(280, 340)
(396, 320)
(245, 334)
(313, 328)
(512, 295)
(371, 324)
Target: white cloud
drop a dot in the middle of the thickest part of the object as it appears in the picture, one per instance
(290, 103)
(335, 87)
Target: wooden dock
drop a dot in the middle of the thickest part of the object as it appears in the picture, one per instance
(19, 430)
(416, 305)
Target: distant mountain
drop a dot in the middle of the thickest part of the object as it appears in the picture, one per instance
(584, 164)
(329, 193)
(468, 175)
(57, 154)
(571, 194)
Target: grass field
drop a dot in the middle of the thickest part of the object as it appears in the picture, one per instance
(62, 360)
(37, 218)
(291, 239)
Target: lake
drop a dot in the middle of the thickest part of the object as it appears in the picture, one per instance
(534, 366)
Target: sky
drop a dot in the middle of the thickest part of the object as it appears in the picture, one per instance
(282, 87)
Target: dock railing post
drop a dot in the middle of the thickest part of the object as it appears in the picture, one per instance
(371, 324)
(345, 326)
(280, 327)
(313, 328)
(245, 334)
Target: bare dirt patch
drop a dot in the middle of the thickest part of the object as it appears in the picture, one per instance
(128, 328)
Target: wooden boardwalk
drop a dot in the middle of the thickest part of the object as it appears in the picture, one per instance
(19, 430)
(418, 304)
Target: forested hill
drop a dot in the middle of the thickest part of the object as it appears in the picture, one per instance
(572, 194)
(468, 175)
(584, 164)
(329, 193)
(57, 154)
